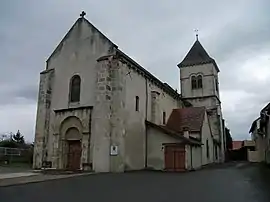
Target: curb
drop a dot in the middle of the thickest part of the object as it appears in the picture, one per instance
(246, 164)
(36, 178)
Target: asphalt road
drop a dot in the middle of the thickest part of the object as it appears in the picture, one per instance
(232, 183)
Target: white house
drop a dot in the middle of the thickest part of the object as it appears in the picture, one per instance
(98, 109)
(260, 133)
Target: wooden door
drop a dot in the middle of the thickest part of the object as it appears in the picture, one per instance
(74, 155)
(175, 158)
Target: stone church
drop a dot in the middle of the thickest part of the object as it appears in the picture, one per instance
(99, 110)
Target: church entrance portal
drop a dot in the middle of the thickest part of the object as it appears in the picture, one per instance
(74, 155)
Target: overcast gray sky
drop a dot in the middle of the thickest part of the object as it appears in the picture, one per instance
(156, 33)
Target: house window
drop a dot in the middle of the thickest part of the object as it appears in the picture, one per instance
(75, 89)
(207, 149)
(164, 118)
(199, 81)
(137, 103)
(193, 82)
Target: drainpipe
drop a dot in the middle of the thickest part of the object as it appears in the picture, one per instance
(146, 113)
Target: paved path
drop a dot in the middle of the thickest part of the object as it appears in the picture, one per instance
(12, 169)
(15, 175)
(233, 184)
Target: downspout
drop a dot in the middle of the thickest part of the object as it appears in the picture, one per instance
(146, 114)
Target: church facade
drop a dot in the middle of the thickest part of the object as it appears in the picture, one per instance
(100, 110)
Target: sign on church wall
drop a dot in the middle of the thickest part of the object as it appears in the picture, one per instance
(114, 150)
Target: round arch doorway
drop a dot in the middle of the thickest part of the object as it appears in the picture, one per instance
(74, 149)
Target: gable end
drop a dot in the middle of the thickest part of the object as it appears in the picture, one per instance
(80, 20)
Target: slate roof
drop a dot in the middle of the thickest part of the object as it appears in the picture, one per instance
(253, 125)
(191, 117)
(197, 55)
(166, 87)
(266, 108)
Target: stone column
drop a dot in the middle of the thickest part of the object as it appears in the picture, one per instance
(55, 153)
(85, 149)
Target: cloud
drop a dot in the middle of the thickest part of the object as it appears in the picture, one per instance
(157, 34)
(20, 116)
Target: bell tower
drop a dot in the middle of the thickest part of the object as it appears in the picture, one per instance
(200, 86)
(199, 74)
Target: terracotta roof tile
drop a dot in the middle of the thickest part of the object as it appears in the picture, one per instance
(191, 117)
(237, 144)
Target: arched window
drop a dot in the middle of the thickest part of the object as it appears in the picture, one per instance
(193, 82)
(75, 89)
(199, 81)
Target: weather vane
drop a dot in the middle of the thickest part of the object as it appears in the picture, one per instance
(83, 14)
(197, 35)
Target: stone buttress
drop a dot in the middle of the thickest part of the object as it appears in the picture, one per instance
(43, 118)
(108, 122)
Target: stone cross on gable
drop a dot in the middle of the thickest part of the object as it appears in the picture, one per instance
(83, 14)
(197, 35)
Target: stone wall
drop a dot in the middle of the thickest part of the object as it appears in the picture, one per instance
(209, 75)
(206, 135)
(77, 54)
(151, 108)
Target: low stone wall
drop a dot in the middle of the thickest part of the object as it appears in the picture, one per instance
(253, 156)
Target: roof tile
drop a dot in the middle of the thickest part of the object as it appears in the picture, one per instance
(191, 117)
(197, 55)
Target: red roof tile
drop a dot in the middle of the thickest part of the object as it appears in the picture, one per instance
(237, 144)
(191, 117)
